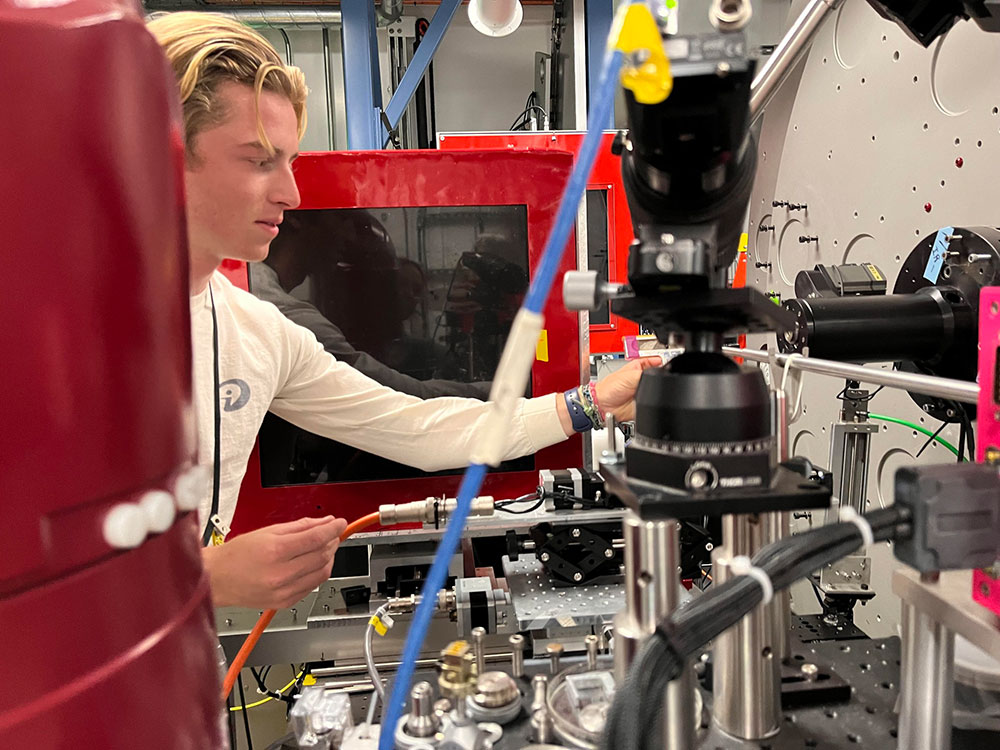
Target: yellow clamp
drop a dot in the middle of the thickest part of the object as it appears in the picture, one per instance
(376, 623)
(646, 72)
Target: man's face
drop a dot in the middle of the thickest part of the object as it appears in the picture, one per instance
(236, 192)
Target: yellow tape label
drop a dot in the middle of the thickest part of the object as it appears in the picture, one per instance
(376, 623)
(542, 347)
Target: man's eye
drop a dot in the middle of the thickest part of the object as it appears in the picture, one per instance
(261, 163)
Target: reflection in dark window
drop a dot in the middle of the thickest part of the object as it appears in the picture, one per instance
(597, 246)
(420, 299)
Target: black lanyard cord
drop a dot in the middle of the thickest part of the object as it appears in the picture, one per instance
(216, 470)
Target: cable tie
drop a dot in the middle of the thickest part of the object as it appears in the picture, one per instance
(849, 515)
(741, 566)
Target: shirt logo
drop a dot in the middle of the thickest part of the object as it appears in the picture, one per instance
(235, 394)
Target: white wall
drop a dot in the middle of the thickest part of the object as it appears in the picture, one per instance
(481, 83)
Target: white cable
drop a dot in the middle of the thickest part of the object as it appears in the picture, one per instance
(849, 515)
(794, 413)
(373, 701)
(741, 566)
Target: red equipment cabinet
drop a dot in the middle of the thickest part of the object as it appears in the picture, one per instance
(99, 647)
(605, 176)
(388, 179)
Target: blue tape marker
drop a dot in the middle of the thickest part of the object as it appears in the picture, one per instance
(938, 253)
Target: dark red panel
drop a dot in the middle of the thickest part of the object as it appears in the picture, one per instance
(606, 175)
(387, 179)
(100, 648)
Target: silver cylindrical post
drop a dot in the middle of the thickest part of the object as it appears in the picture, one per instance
(554, 650)
(591, 641)
(422, 722)
(747, 688)
(787, 54)
(778, 526)
(517, 655)
(539, 711)
(927, 690)
(651, 593)
(478, 634)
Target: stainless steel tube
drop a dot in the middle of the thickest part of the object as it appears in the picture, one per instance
(778, 526)
(787, 54)
(288, 46)
(747, 688)
(927, 689)
(651, 593)
(955, 390)
(328, 86)
(293, 18)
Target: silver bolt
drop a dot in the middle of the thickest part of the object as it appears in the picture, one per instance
(609, 553)
(516, 642)
(810, 671)
(575, 533)
(723, 69)
(666, 239)
(664, 263)
(591, 641)
(544, 557)
(478, 634)
(638, 58)
(229, 621)
(709, 546)
(578, 576)
(554, 651)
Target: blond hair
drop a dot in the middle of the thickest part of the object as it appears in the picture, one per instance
(208, 49)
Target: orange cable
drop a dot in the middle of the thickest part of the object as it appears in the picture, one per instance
(265, 619)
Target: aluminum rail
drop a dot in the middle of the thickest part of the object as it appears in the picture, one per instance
(787, 54)
(954, 390)
(288, 18)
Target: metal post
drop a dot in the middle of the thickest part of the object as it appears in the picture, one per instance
(651, 583)
(778, 526)
(327, 86)
(747, 688)
(419, 63)
(927, 689)
(787, 54)
(929, 385)
(361, 75)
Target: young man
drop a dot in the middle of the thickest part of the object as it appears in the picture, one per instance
(244, 114)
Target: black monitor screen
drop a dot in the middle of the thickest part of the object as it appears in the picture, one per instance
(420, 299)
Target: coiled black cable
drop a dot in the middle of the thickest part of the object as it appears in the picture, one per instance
(662, 658)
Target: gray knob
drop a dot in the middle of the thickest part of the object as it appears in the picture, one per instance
(581, 290)
(422, 721)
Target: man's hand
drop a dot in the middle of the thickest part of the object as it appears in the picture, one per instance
(616, 392)
(275, 566)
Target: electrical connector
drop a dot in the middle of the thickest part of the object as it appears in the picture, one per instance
(434, 510)
(954, 513)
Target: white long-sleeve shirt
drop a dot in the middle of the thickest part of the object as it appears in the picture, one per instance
(267, 363)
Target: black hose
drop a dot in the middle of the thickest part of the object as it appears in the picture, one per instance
(664, 655)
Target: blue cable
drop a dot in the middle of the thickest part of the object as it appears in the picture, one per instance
(474, 475)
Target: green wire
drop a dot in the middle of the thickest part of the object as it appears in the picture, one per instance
(918, 428)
